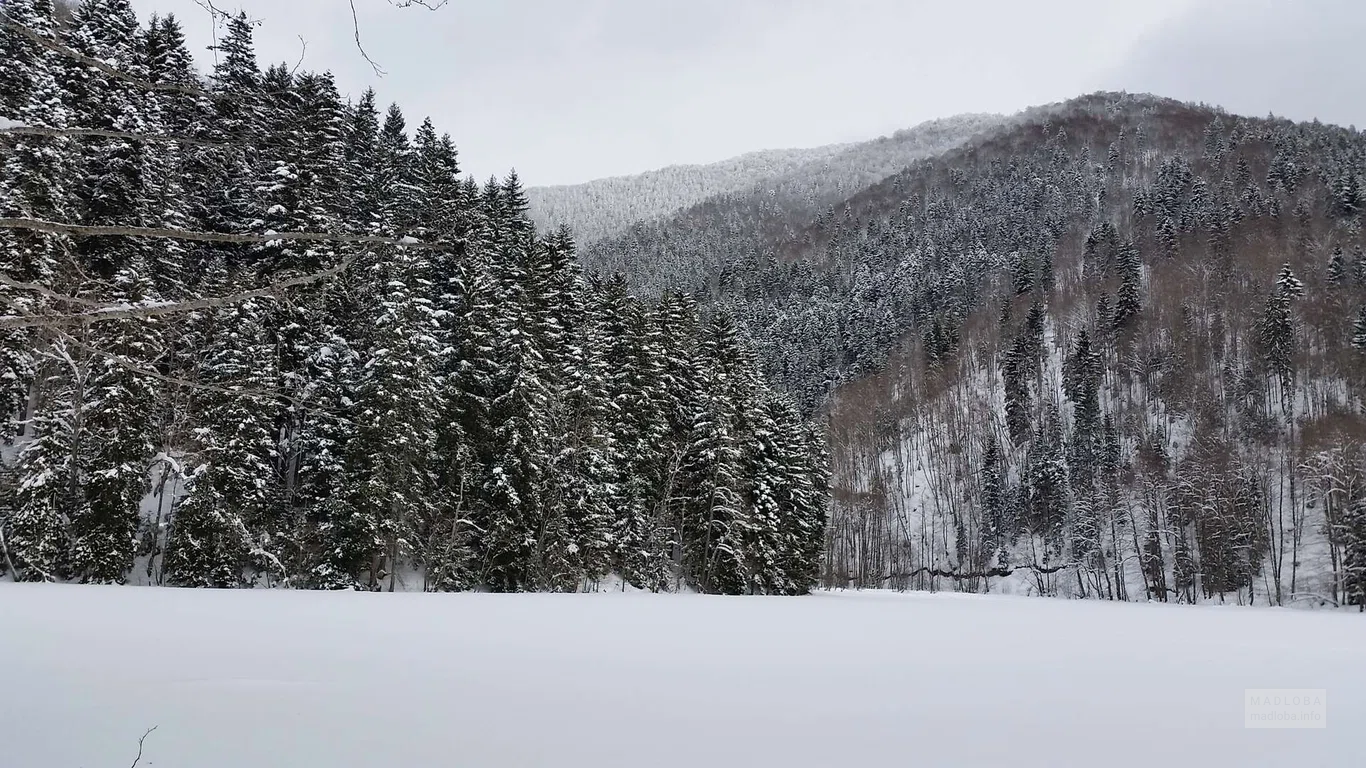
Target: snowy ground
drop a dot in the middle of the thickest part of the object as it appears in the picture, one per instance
(297, 679)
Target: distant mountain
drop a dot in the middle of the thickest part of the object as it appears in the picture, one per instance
(692, 248)
(600, 209)
(1113, 347)
(604, 207)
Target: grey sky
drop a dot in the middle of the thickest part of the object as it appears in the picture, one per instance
(570, 90)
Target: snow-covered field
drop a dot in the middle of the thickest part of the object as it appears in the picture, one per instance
(264, 678)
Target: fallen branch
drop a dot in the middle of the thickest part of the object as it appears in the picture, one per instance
(961, 575)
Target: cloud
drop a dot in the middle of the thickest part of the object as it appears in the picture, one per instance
(1298, 59)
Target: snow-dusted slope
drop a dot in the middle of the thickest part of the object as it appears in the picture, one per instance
(599, 209)
(603, 207)
(336, 680)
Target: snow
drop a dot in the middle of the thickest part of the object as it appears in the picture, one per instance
(300, 679)
(7, 124)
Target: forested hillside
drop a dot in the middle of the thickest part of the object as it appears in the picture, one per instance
(255, 334)
(1111, 349)
(791, 179)
(605, 207)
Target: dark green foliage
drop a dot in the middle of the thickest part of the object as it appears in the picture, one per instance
(479, 413)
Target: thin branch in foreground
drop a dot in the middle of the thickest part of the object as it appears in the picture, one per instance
(233, 391)
(430, 5)
(37, 130)
(108, 314)
(355, 26)
(137, 759)
(83, 230)
(43, 290)
(92, 62)
(114, 72)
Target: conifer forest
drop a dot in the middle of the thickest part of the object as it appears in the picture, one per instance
(257, 332)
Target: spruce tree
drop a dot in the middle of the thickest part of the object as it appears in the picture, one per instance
(398, 400)
(34, 177)
(51, 490)
(1359, 330)
(220, 534)
(1128, 300)
(1352, 534)
(1337, 267)
(996, 534)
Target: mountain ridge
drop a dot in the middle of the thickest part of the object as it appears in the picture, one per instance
(654, 194)
(1104, 350)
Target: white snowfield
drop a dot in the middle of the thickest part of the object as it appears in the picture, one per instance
(265, 678)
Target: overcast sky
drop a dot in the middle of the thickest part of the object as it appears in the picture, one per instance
(571, 90)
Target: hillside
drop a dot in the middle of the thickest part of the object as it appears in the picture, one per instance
(601, 209)
(1105, 350)
(604, 207)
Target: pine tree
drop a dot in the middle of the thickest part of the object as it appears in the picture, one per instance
(996, 532)
(1082, 384)
(113, 171)
(1276, 330)
(442, 212)
(716, 521)
(1128, 300)
(1047, 482)
(50, 481)
(167, 61)
(218, 536)
(336, 543)
(361, 163)
(632, 358)
(398, 399)
(396, 186)
(1359, 330)
(34, 175)
(1337, 267)
(1015, 376)
(122, 426)
(1352, 534)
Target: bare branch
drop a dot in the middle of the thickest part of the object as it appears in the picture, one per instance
(36, 130)
(107, 314)
(303, 51)
(224, 389)
(144, 738)
(355, 26)
(214, 11)
(430, 5)
(83, 230)
(114, 72)
(47, 292)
